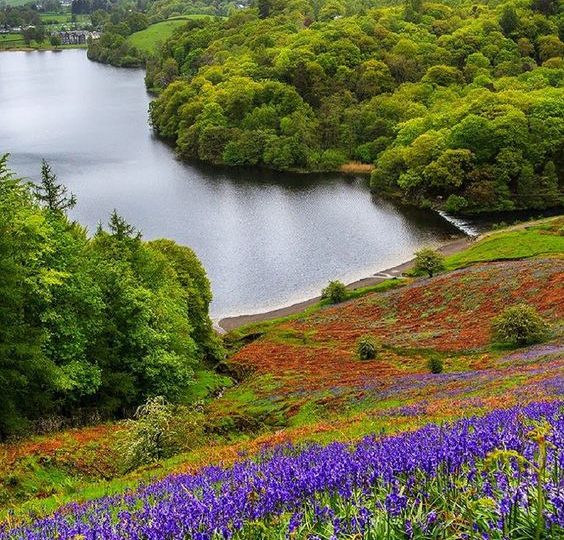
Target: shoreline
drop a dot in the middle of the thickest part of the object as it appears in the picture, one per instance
(227, 324)
(58, 48)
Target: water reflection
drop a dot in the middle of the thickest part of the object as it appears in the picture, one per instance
(265, 238)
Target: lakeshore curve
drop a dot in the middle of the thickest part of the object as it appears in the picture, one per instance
(227, 324)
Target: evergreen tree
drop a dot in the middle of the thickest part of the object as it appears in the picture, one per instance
(91, 323)
(51, 194)
(26, 376)
(120, 229)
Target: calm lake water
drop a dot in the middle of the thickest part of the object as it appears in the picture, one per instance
(266, 239)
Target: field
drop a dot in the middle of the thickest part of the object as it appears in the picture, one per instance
(397, 487)
(15, 2)
(305, 371)
(147, 40)
(57, 20)
(52, 22)
(9, 41)
(520, 242)
(298, 381)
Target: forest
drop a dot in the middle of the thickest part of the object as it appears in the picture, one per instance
(91, 325)
(456, 104)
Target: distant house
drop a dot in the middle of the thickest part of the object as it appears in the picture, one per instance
(76, 37)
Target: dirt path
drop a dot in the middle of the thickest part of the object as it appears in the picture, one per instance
(230, 323)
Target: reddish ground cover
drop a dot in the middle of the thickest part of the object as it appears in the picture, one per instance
(309, 364)
(450, 313)
(304, 380)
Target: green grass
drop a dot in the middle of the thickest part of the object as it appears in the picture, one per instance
(195, 16)
(206, 383)
(545, 238)
(11, 40)
(16, 42)
(267, 326)
(148, 40)
(62, 18)
(55, 18)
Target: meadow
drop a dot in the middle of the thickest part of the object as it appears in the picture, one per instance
(15, 2)
(9, 41)
(502, 472)
(147, 40)
(301, 439)
(58, 21)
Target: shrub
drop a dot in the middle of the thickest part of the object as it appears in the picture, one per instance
(335, 292)
(519, 325)
(429, 261)
(435, 364)
(366, 348)
(149, 437)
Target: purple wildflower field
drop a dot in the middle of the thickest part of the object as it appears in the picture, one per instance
(493, 477)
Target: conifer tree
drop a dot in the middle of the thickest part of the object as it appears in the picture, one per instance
(51, 194)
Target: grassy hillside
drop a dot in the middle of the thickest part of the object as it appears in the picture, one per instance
(147, 40)
(305, 371)
(298, 379)
(546, 238)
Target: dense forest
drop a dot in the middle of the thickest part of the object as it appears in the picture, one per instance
(159, 10)
(458, 104)
(92, 326)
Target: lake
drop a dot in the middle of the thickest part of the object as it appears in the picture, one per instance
(266, 239)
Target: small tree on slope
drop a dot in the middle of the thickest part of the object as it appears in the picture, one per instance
(429, 261)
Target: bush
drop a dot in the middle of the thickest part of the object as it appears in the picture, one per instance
(519, 325)
(149, 437)
(429, 261)
(366, 348)
(335, 292)
(435, 364)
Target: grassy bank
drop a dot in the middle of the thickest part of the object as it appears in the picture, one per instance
(147, 40)
(541, 237)
(22, 47)
(545, 237)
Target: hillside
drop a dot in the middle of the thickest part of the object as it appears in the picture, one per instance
(298, 379)
(454, 105)
(305, 371)
(147, 40)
